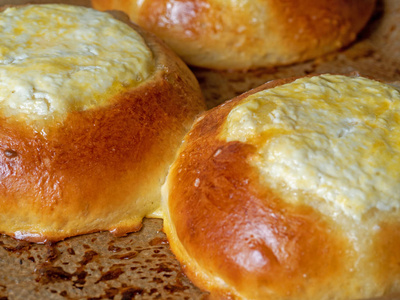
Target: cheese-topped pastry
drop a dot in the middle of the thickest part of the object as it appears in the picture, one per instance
(92, 110)
(341, 134)
(291, 192)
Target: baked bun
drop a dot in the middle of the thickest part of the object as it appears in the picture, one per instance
(291, 191)
(248, 34)
(92, 113)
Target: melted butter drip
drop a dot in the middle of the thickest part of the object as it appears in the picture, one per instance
(57, 58)
(330, 137)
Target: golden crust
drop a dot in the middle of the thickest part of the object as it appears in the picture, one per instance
(238, 239)
(248, 34)
(99, 169)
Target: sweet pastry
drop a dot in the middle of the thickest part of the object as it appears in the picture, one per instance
(291, 191)
(92, 111)
(251, 33)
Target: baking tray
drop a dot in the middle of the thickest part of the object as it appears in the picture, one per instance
(140, 265)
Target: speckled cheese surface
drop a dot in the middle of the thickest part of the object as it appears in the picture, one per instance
(332, 138)
(56, 58)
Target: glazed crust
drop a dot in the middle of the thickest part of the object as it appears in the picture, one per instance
(99, 169)
(238, 239)
(248, 34)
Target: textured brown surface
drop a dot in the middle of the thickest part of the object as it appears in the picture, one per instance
(95, 266)
(147, 276)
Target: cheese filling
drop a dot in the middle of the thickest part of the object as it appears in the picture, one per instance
(332, 138)
(58, 58)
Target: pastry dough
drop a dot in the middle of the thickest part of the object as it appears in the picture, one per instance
(291, 191)
(92, 111)
(231, 34)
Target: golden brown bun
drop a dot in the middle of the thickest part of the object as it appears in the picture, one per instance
(100, 168)
(236, 237)
(248, 34)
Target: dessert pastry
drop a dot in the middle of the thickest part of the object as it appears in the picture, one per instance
(92, 111)
(248, 34)
(291, 191)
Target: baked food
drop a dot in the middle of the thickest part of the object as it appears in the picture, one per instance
(248, 34)
(92, 113)
(291, 191)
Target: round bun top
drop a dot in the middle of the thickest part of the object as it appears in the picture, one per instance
(245, 34)
(68, 58)
(291, 191)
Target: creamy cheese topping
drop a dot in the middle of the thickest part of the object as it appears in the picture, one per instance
(59, 58)
(328, 138)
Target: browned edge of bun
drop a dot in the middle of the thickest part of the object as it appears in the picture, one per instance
(96, 167)
(249, 34)
(217, 210)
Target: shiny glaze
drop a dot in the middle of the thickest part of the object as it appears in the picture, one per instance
(100, 168)
(247, 34)
(237, 238)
